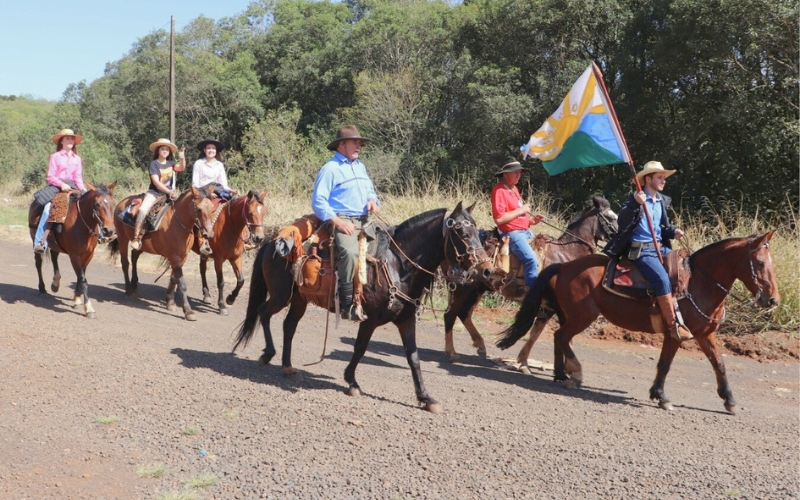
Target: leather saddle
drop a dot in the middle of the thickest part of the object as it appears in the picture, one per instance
(622, 277)
(153, 219)
(59, 207)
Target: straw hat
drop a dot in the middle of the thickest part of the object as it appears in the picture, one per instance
(163, 142)
(65, 132)
(344, 133)
(653, 167)
(511, 165)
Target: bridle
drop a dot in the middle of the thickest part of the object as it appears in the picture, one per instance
(247, 224)
(606, 225)
(473, 256)
(756, 297)
(96, 216)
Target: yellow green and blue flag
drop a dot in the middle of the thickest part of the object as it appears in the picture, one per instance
(581, 133)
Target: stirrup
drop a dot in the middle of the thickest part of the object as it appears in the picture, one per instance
(675, 332)
(205, 248)
(39, 249)
(136, 244)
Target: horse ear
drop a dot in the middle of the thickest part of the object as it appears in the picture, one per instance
(263, 195)
(195, 192)
(210, 189)
(89, 186)
(112, 186)
(457, 210)
(469, 209)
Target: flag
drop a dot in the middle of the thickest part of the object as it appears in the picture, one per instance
(581, 133)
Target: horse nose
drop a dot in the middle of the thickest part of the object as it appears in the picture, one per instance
(487, 273)
(773, 302)
(109, 231)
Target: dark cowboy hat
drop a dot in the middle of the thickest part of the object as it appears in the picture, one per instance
(511, 165)
(202, 145)
(344, 133)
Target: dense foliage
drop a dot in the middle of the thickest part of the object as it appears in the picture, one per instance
(446, 90)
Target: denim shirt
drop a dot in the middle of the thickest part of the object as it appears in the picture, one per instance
(642, 231)
(342, 187)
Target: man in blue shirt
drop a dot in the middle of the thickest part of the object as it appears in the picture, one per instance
(635, 239)
(344, 196)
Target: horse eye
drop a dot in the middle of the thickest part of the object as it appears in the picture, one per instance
(759, 265)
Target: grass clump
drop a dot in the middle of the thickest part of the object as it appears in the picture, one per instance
(230, 414)
(152, 470)
(109, 420)
(204, 480)
(191, 431)
(180, 495)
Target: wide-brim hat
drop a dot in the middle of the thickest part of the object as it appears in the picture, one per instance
(511, 165)
(653, 167)
(344, 133)
(202, 145)
(163, 142)
(65, 132)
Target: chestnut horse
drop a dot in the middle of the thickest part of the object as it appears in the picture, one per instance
(228, 243)
(407, 256)
(89, 220)
(574, 292)
(598, 222)
(172, 240)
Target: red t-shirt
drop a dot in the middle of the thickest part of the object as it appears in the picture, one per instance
(505, 200)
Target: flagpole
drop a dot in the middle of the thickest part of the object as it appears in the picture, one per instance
(599, 76)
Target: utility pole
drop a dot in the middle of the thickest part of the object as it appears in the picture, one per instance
(172, 82)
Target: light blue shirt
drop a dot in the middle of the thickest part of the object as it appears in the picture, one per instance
(655, 207)
(342, 187)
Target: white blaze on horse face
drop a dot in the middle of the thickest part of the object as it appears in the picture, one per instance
(611, 214)
(258, 209)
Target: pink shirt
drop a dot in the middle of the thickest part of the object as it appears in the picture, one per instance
(65, 167)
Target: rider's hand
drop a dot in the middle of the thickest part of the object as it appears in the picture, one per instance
(173, 195)
(536, 219)
(526, 209)
(372, 206)
(640, 197)
(235, 192)
(65, 188)
(344, 226)
(182, 153)
(678, 234)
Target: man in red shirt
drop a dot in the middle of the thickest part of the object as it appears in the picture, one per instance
(510, 213)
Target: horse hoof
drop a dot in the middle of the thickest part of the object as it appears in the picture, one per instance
(91, 315)
(172, 307)
(524, 369)
(569, 384)
(732, 409)
(54, 287)
(206, 299)
(230, 300)
(482, 353)
(453, 357)
(191, 316)
(265, 359)
(434, 408)
(354, 391)
(666, 405)
(223, 312)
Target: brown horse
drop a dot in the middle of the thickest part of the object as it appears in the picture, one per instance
(408, 256)
(89, 220)
(574, 292)
(598, 222)
(228, 243)
(172, 240)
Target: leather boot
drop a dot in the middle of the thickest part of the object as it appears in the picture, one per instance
(136, 243)
(676, 330)
(348, 309)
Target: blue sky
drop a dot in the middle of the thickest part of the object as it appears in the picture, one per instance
(46, 45)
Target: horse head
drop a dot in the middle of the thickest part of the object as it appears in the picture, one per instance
(757, 272)
(463, 249)
(101, 200)
(607, 220)
(204, 210)
(254, 215)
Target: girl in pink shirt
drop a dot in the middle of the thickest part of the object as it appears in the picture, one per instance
(64, 173)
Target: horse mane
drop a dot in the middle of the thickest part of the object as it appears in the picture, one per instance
(409, 226)
(254, 194)
(99, 189)
(712, 246)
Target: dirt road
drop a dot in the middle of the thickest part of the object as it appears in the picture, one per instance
(176, 397)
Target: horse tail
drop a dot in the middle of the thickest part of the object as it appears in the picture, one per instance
(528, 310)
(113, 248)
(258, 294)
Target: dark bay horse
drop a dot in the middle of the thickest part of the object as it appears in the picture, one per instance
(172, 240)
(407, 265)
(598, 222)
(228, 243)
(89, 221)
(574, 292)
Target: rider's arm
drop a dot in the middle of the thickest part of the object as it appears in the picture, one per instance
(154, 178)
(322, 192)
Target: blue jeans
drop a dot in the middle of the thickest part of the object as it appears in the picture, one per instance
(42, 223)
(518, 243)
(652, 269)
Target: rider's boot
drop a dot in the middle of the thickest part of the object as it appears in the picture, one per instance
(346, 305)
(136, 243)
(41, 246)
(676, 330)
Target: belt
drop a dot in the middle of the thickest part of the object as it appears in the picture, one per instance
(642, 244)
(362, 218)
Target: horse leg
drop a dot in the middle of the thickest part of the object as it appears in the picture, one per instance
(38, 259)
(135, 254)
(533, 336)
(571, 369)
(709, 346)
(123, 260)
(187, 307)
(365, 331)
(218, 262)
(170, 295)
(465, 316)
(206, 291)
(297, 309)
(236, 264)
(668, 350)
(54, 286)
(450, 315)
(408, 333)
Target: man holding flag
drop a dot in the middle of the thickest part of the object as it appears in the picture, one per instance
(584, 132)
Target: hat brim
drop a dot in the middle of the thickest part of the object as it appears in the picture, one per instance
(515, 168)
(333, 145)
(58, 137)
(154, 147)
(641, 175)
(202, 146)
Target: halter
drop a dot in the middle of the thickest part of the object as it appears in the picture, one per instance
(471, 255)
(96, 232)
(247, 224)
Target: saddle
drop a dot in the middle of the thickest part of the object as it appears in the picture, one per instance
(59, 207)
(515, 280)
(153, 218)
(623, 278)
